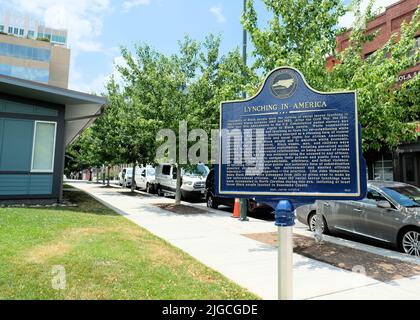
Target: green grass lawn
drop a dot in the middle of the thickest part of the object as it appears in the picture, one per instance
(105, 256)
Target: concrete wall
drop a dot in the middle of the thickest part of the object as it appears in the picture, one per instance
(59, 67)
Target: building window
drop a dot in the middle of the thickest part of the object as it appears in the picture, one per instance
(10, 30)
(16, 31)
(1, 28)
(21, 32)
(383, 169)
(27, 73)
(31, 34)
(43, 146)
(24, 52)
(58, 39)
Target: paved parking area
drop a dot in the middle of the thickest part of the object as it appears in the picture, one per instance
(217, 240)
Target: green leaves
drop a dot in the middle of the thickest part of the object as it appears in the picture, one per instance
(302, 34)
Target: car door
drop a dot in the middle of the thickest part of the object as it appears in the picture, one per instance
(173, 179)
(142, 179)
(166, 177)
(123, 174)
(341, 214)
(374, 222)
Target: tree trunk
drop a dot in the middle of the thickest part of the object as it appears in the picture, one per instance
(107, 182)
(103, 175)
(97, 175)
(133, 179)
(178, 195)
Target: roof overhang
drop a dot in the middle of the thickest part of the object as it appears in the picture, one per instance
(81, 109)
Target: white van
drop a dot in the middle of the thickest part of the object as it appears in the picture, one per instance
(145, 178)
(125, 176)
(193, 181)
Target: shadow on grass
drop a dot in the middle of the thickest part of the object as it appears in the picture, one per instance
(84, 204)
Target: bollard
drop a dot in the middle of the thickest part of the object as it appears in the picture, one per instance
(244, 210)
(285, 220)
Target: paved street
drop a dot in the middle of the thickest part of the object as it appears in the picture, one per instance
(217, 240)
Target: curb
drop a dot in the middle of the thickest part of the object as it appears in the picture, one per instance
(387, 253)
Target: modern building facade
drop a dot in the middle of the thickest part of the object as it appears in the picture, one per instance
(31, 51)
(403, 164)
(37, 123)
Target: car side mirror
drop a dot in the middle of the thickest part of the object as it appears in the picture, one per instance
(383, 204)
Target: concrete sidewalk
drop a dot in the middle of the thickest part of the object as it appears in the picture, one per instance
(217, 240)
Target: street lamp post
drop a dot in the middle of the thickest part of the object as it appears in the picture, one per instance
(244, 202)
(244, 45)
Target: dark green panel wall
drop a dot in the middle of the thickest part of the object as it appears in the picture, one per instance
(17, 120)
(25, 184)
(24, 108)
(16, 144)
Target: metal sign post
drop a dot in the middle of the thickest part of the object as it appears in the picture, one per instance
(285, 220)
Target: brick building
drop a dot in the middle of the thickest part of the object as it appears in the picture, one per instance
(403, 164)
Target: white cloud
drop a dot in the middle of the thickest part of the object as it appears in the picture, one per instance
(217, 11)
(90, 46)
(98, 84)
(129, 4)
(348, 19)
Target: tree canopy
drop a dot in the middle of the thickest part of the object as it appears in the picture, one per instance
(302, 34)
(158, 91)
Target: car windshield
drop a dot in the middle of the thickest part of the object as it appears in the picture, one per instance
(407, 196)
(151, 172)
(129, 171)
(197, 171)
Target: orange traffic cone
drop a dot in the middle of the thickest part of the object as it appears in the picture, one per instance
(237, 209)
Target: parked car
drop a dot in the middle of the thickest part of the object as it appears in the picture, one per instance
(390, 213)
(193, 180)
(125, 177)
(145, 178)
(214, 202)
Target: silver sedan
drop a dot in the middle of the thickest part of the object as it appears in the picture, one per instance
(390, 213)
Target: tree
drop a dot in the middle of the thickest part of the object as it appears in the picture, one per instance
(299, 33)
(302, 34)
(79, 155)
(154, 89)
(220, 78)
(133, 135)
(387, 111)
(187, 86)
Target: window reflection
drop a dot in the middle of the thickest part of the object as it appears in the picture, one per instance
(27, 73)
(24, 52)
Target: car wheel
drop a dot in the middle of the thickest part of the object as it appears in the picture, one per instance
(211, 202)
(409, 242)
(159, 192)
(312, 221)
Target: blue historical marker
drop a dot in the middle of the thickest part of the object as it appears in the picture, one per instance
(287, 146)
(291, 142)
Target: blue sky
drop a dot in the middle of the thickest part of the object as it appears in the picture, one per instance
(97, 28)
